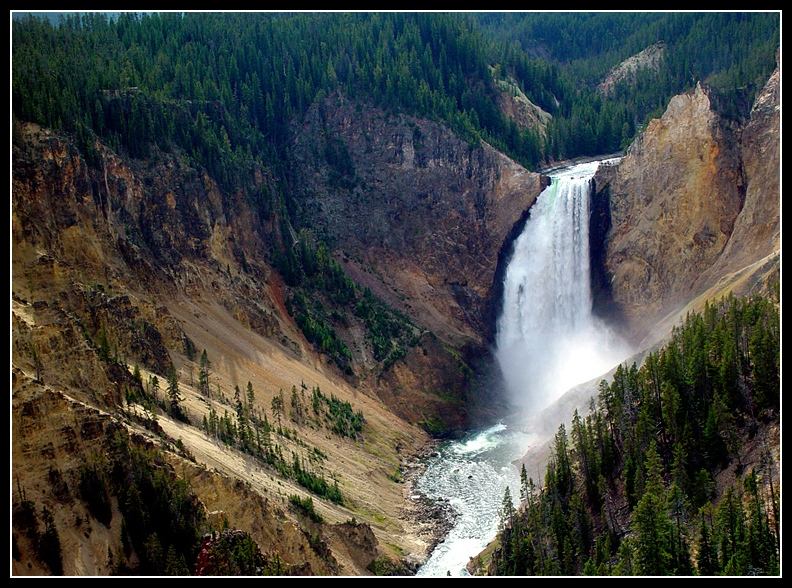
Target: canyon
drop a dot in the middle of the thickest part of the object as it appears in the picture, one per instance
(140, 278)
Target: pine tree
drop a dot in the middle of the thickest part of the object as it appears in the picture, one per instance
(49, 546)
(277, 406)
(507, 510)
(242, 421)
(154, 388)
(136, 375)
(650, 523)
(175, 564)
(250, 398)
(296, 413)
(203, 374)
(730, 525)
(680, 553)
(766, 467)
(761, 543)
(679, 468)
(624, 559)
(523, 484)
(174, 395)
(707, 564)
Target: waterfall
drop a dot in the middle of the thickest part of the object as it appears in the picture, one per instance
(547, 339)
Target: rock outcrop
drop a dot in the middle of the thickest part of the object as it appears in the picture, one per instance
(513, 102)
(628, 69)
(756, 233)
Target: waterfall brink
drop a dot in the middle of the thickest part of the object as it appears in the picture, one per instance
(547, 338)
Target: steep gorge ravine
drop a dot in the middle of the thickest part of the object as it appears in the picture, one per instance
(122, 264)
(657, 254)
(155, 255)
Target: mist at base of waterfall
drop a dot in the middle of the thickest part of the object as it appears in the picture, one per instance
(539, 372)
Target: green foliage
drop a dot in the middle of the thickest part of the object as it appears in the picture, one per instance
(49, 547)
(189, 347)
(316, 483)
(314, 323)
(305, 506)
(433, 425)
(246, 431)
(317, 277)
(160, 511)
(234, 553)
(342, 168)
(732, 52)
(385, 566)
(707, 552)
(180, 80)
(388, 330)
(175, 398)
(658, 434)
(47, 544)
(343, 420)
(396, 475)
(25, 517)
(203, 375)
(161, 518)
(651, 524)
(507, 510)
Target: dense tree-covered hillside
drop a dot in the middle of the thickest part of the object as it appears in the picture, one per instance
(733, 52)
(225, 87)
(651, 447)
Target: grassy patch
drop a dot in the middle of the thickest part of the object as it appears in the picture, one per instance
(396, 476)
(433, 425)
(384, 566)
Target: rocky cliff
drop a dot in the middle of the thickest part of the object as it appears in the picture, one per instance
(407, 200)
(694, 200)
(756, 233)
(120, 263)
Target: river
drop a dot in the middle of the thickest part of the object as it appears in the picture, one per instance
(472, 474)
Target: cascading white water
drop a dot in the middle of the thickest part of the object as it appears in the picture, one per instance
(548, 339)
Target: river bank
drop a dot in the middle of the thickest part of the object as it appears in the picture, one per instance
(430, 518)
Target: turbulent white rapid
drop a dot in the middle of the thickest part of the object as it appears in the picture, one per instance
(472, 474)
(547, 341)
